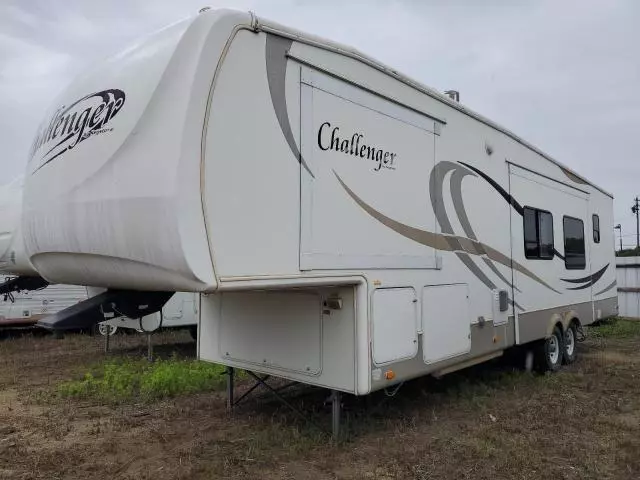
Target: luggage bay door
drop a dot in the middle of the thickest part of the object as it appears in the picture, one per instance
(366, 187)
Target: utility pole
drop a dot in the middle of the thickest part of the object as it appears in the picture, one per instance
(636, 210)
(619, 227)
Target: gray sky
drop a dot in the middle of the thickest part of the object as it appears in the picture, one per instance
(564, 75)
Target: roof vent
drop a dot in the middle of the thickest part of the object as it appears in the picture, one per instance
(453, 95)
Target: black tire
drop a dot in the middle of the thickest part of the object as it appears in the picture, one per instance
(193, 331)
(570, 350)
(550, 352)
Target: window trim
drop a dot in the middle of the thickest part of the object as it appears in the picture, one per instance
(593, 226)
(539, 256)
(564, 241)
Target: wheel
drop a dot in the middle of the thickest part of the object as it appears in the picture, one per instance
(193, 331)
(107, 329)
(570, 350)
(549, 352)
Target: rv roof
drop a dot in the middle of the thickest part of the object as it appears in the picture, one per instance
(299, 36)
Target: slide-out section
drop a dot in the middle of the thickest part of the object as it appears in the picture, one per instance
(550, 243)
(369, 161)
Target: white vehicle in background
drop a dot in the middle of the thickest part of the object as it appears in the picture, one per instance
(181, 311)
(20, 275)
(23, 309)
(25, 297)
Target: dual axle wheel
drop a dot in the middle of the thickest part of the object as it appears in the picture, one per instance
(557, 349)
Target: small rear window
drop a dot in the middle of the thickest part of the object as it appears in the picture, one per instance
(574, 256)
(596, 228)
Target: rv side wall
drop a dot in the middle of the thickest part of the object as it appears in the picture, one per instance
(317, 165)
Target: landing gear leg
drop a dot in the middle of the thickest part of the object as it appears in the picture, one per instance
(335, 414)
(230, 378)
(106, 342)
(149, 348)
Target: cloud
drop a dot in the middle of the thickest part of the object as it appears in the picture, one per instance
(563, 75)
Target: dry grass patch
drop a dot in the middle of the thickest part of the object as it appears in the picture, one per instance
(490, 422)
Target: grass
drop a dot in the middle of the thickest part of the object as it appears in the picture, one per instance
(125, 379)
(491, 421)
(616, 328)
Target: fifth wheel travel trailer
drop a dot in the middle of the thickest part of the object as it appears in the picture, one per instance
(348, 227)
(181, 311)
(22, 309)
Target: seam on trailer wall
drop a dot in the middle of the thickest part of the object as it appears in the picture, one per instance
(590, 245)
(300, 171)
(516, 326)
(203, 142)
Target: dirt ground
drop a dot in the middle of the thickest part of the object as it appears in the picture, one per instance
(490, 422)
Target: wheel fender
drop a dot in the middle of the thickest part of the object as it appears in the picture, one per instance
(553, 321)
(569, 317)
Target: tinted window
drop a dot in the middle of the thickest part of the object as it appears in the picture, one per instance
(545, 229)
(538, 233)
(574, 258)
(530, 233)
(596, 228)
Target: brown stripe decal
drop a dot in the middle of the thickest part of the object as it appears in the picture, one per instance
(607, 288)
(441, 241)
(456, 195)
(276, 58)
(573, 177)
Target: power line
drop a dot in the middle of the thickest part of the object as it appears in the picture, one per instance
(636, 210)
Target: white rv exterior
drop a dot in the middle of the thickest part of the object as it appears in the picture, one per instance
(13, 258)
(347, 226)
(182, 310)
(25, 308)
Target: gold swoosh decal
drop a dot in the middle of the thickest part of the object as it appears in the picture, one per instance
(439, 241)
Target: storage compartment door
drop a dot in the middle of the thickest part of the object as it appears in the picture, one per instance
(446, 324)
(395, 335)
(280, 330)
